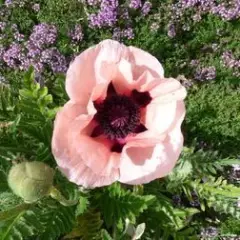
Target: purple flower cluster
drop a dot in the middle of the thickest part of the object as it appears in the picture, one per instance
(14, 56)
(230, 61)
(227, 12)
(39, 54)
(36, 51)
(135, 4)
(206, 73)
(76, 34)
(107, 16)
(202, 5)
(43, 34)
(111, 11)
(125, 33)
(188, 3)
(171, 30)
(54, 59)
(128, 33)
(146, 8)
(15, 3)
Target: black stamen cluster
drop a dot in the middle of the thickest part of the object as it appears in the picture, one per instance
(118, 116)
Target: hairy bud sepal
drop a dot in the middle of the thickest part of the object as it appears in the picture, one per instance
(31, 180)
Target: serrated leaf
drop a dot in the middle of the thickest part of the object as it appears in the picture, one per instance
(56, 220)
(18, 223)
(82, 206)
(117, 204)
(29, 75)
(87, 227)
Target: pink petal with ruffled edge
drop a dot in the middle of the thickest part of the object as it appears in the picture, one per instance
(160, 113)
(147, 161)
(90, 73)
(82, 159)
(143, 61)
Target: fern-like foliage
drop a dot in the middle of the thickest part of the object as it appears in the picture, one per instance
(197, 165)
(164, 218)
(56, 220)
(7, 104)
(18, 223)
(8, 200)
(230, 226)
(87, 226)
(219, 195)
(47, 220)
(117, 204)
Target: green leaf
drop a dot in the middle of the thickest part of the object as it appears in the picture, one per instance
(3, 183)
(8, 200)
(29, 76)
(56, 220)
(117, 204)
(87, 227)
(83, 205)
(18, 223)
(229, 161)
(181, 172)
(5, 215)
(105, 235)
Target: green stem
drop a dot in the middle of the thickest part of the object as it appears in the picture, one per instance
(56, 194)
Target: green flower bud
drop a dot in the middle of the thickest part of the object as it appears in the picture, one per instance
(31, 180)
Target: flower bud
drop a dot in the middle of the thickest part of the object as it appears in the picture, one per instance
(31, 180)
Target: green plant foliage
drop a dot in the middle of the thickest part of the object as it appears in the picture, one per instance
(83, 204)
(214, 193)
(231, 226)
(35, 100)
(56, 220)
(198, 164)
(117, 204)
(18, 223)
(213, 117)
(87, 226)
(105, 235)
(48, 221)
(8, 200)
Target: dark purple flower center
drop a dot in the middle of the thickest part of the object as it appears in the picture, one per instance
(118, 116)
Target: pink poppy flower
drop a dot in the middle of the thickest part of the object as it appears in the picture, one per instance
(123, 120)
